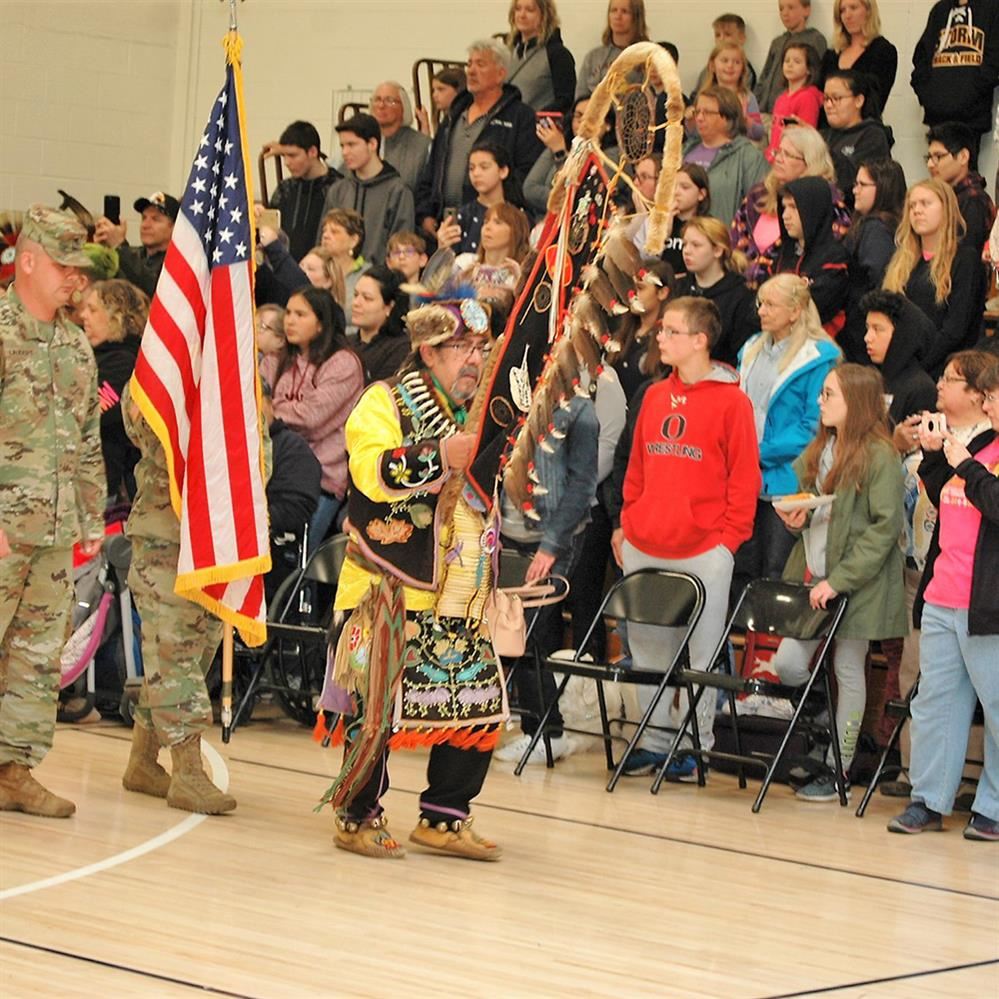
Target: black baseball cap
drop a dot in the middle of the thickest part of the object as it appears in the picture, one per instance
(167, 204)
(363, 125)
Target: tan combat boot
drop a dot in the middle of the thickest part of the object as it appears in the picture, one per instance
(143, 773)
(20, 792)
(190, 789)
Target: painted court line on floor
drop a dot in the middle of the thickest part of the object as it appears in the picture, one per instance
(220, 775)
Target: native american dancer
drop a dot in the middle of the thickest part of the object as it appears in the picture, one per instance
(415, 652)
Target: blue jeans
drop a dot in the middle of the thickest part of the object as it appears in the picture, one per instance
(955, 670)
(323, 519)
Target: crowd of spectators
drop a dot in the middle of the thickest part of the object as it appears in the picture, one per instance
(805, 281)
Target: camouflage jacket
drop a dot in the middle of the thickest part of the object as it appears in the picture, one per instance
(152, 513)
(52, 486)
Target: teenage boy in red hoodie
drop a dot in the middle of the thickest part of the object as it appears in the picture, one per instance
(689, 501)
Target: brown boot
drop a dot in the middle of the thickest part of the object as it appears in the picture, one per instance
(190, 789)
(20, 792)
(143, 773)
(370, 838)
(457, 838)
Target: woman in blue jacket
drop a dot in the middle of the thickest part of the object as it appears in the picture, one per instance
(781, 369)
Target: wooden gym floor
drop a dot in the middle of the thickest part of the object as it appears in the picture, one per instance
(624, 894)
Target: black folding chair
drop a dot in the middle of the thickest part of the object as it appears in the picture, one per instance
(647, 596)
(513, 567)
(773, 607)
(294, 655)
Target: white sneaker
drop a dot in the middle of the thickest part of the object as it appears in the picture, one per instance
(562, 746)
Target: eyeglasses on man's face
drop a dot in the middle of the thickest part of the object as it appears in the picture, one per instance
(936, 158)
(466, 348)
(951, 380)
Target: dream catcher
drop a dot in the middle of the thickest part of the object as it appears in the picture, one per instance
(586, 273)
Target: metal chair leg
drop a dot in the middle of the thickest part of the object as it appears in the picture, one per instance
(883, 762)
(844, 801)
(639, 732)
(542, 726)
(251, 690)
(779, 755)
(690, 718)
(737, 736)
(605, 725)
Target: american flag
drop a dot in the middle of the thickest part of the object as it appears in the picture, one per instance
(196, 380)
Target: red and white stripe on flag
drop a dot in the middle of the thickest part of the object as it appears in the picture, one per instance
(196, 380)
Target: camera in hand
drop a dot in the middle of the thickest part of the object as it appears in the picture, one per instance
(933, 423)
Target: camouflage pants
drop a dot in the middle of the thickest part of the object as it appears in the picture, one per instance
(36, 602)
(179, 640)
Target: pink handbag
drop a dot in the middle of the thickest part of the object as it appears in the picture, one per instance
(504, 611)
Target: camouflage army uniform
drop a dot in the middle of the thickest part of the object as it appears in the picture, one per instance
(179, 638)
(52, 493)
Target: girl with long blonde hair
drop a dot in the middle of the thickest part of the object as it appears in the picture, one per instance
(931, 268)
(859, 45)
(781, 369)
(848, 546)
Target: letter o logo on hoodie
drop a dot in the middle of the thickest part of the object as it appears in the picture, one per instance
(674, 427)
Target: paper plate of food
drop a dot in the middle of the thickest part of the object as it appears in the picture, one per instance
(801, 501)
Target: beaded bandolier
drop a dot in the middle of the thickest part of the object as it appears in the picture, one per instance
(401, 535)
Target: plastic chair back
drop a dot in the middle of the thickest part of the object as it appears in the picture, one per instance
(775, 607)
(655, 596)
(327, 560)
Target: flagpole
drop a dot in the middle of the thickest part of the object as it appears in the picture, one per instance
(227, 635)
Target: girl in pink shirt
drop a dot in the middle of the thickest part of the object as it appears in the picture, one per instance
(801, 101)
(958, 609)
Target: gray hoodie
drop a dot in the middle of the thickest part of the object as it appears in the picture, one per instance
(384, 202)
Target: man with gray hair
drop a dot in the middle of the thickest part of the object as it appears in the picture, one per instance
(402, 146)
(490, 110)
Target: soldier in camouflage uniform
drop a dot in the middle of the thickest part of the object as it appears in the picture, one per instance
(52, 493)
(179, 639)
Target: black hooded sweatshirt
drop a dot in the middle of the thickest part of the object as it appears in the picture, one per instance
(737, 305)
(910, 387)
(823, 258)
(955, 66)
(849, 147)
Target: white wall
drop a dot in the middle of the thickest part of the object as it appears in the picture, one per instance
(111, 95)
(86, 92)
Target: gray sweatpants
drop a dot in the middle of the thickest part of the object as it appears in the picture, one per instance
(791, 663)
(653, 646)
